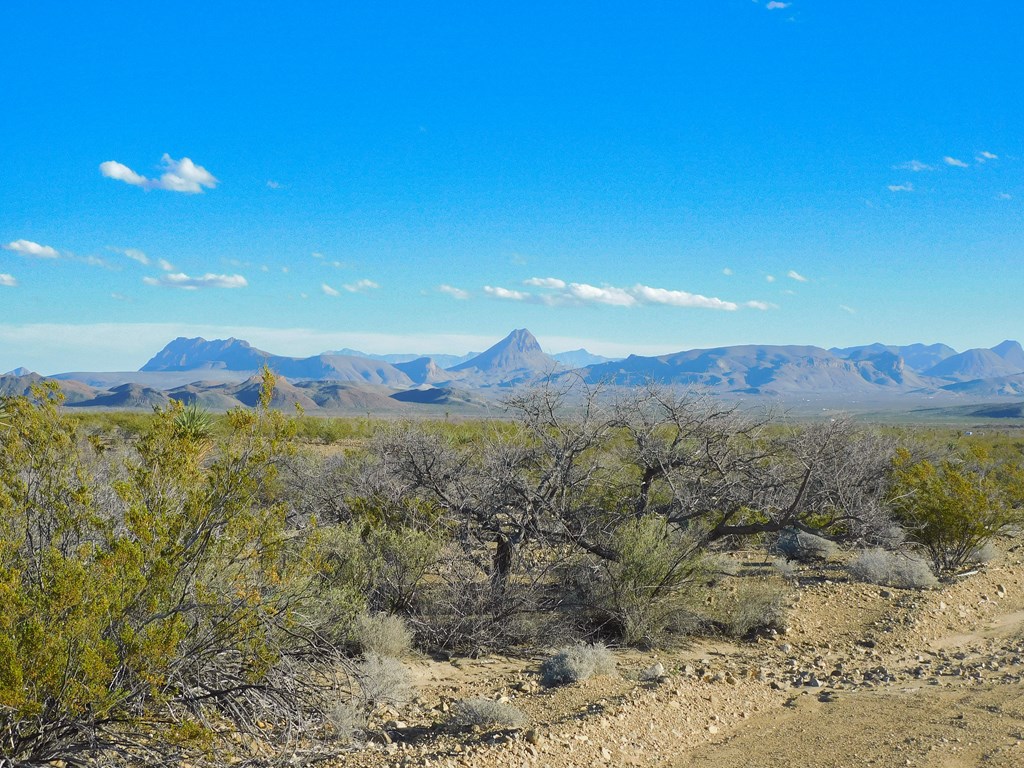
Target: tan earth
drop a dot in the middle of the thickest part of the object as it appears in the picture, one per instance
(863, 675)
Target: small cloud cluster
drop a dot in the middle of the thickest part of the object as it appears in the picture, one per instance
(32, 250)
(178, 175)
(775, 5)
(557, 292)
(455, 293)
(132, 253)
(8, 281)
(916, 166)
(187, 283)
(360, 286)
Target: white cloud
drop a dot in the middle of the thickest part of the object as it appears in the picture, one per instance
(284, 270)
(209, 280)
(794, 275)
(178, 175)
(32, 250)
(1004, 196)
(165, 265)
(954, 162)
(981, 157)
(848, 310)
(132, 253)
(506, 293)
(454, 292)
(273, 184)
(8, 281)
(328, 290)
(648, 295)
(769, 278)
(908, 187)
(727, 272)
(913, 165)
(616, 297)
(316, 255)
(763, 306)
(545, 282)
(774, 5)
(360, 286)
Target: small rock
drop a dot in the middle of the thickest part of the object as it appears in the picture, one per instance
(532, 737)
(712, 729)
(654, 673)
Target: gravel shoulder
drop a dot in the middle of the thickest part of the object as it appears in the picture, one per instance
(863, 675)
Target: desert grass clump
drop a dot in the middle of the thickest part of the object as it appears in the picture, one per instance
(383, 682)
(382, 635)
(892, 569)
(575, 663)
(348, 720)
(486, 713)
(784, 568)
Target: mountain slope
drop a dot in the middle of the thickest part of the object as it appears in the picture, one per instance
(515, 359)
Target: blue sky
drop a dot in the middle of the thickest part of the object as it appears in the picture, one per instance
(426, 177)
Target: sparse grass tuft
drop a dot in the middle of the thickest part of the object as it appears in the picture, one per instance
(380, 634)
(577, 662)
(486, 713)
(892, 569)
(383, 681)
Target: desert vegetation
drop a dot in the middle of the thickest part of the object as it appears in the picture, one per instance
(173, 584)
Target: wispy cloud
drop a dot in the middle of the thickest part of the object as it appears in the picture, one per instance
(132, 253)
(727, 272)
(848, 310)
(165, 265)
(186, 283)
(648, 295)
(178, 175)
(908, 187)
(32, 250)
(556, 292)
(764, 306)
(982, 157)
(774, 5)
(1004, 196)
(769, 278)
(273, 184)
(506, 293)
(913, 165)
(954, 162)
(8, 281)
(316, 255)
(456, 293)
(360, 286)
(545, 282)
(328, 290)
(794, 275)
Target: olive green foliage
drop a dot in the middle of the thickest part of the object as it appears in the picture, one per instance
(952, 508)
(151, 587)
(647, 586)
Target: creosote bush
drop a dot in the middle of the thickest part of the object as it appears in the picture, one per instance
(892, 569)
(485, 713)
(575, 663)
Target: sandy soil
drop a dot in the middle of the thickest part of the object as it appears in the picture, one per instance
(864, 675)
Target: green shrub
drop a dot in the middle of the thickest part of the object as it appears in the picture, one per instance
(952, 510)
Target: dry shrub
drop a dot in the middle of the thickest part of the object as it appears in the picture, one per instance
(486, 713)
(575, 663)
(383, 681)
(892, 569)
(755, 605)
(380, 634)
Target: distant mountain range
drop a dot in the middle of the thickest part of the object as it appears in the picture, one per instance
(222, 373)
